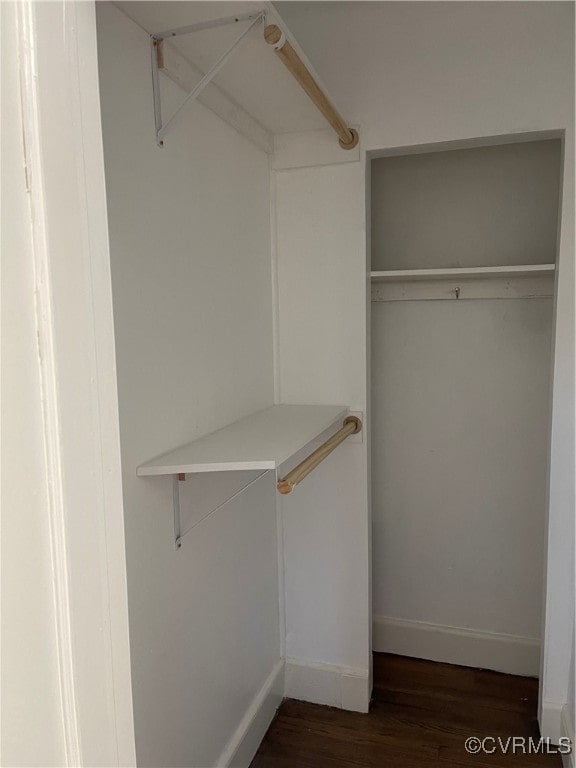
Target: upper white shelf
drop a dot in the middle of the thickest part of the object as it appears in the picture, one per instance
(523, 270)
(263, 440)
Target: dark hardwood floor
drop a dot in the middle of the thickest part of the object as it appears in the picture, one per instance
(421, 715)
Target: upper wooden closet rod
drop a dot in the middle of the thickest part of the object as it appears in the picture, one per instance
(348, 137)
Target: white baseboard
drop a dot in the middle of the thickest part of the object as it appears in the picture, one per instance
(246, 739)
(550, 720)
(567, 731)
(470, 648)
(555, 722)
(342, 687)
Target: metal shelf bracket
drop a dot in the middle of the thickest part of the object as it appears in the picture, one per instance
(176, 480)
(156, 42)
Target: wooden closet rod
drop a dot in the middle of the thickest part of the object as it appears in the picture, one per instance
(348, 137)
(351, 425)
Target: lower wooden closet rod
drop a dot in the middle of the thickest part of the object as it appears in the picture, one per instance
(351, 425)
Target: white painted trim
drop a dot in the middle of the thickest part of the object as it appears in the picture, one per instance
(277, 400)
(367, 166)
(464, 288)
(65, 177)
(567, 731)
(48, 376)
(512, 654)
(243, 745)
(466, 143)
(512, 270)
(275, 285)
(551, 720)
(342, 687)
(281, 572)
(558, 604)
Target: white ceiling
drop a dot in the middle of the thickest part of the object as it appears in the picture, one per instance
(254, 77)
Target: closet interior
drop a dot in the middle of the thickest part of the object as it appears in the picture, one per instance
(289, 330)
(463, 262)
(237, 455)
(241, 293)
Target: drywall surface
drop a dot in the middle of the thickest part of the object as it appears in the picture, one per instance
(30, 680)
(459, 457)
(570, 706)
(479, 207)
(423, 72)
(322, 359)
(190, 252)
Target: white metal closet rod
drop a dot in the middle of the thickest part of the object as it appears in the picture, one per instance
(348, 137)
(351, 425)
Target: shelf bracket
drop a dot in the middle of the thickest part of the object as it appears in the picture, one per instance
(181, 477)
(176, 480)
(156, 41)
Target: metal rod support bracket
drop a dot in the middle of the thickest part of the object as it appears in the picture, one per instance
(177, 479)
(156, 41)
(181, 477)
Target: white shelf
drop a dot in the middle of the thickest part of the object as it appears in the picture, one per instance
(524, 270)
(263, 440)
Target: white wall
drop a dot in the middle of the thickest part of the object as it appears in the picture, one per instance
(30, 679)
(477, 207)
(459, 447)
(190, 251)
(569, 711)
(415, 73)
(321, 320)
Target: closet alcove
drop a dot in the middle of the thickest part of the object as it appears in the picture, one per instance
(225, 412)
(463, 272)
(194, 329)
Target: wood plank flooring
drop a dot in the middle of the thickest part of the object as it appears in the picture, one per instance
(421, 715)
